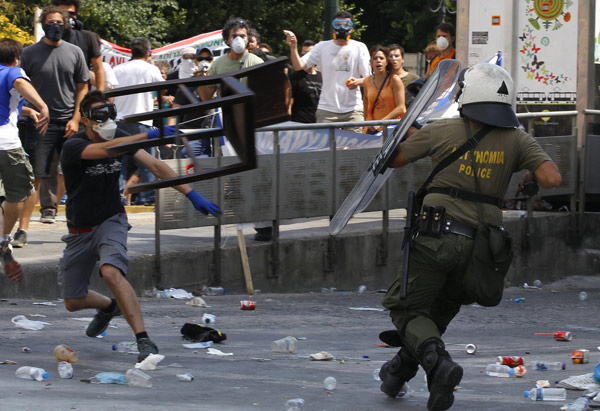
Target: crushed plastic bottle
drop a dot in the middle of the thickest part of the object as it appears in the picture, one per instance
(209, 318)
(295, 404)
(537, 283)
(546, 365)
(137, 378)
(126, 347)
(580, 404)
(546, 394)
(65, 370)
(64, 353)
(376, 374)
(31, 373)
(287, 344)
(330, 383)
(187, 377)
(504, 371)
(362, 289)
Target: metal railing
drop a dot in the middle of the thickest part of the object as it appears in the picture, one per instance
(339, 170)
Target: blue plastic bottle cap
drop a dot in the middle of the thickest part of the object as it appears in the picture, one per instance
(564, 366)
(114, 347)
(45, 375)
(526, 394)
(511, 372)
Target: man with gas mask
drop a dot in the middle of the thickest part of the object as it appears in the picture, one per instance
(235, 34)
(445, 35)
(97, 221)
(459, 252)
(343, 63)
(59, 73)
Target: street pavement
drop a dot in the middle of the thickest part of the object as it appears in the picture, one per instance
(255, 378)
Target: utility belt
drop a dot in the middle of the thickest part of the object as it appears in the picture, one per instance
(466, 195)
(434, 222)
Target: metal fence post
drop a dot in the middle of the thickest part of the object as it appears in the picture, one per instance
(274, 272)
(330, 254)
(216, 271)
(382, 250)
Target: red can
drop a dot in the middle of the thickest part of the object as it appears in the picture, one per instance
(247, 305)
(563, 335)
(510, 361)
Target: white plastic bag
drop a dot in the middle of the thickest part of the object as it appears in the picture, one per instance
(23, 322)
(150, 362)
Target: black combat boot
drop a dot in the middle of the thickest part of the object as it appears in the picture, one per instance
(397, 372)
(443, 375)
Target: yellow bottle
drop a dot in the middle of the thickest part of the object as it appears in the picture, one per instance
(64, 353)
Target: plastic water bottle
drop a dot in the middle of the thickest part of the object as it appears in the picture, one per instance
(504, 371)
(330, 383)
(137, 378)
(64, 353)
(295, 404)
(546, 365)
(127, 347)
(579, 405)
(187, 377)
(31, 373)
(213, 290)
(65, 370)
(547, 394)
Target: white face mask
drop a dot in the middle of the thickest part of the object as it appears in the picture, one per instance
(238, 45)
(106, 130)
(187, 68)
(442, 43)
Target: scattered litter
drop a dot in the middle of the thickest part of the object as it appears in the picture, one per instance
(150, 362)
(209, 318)
(559, 335)
(542, 384)
(295, 404)
(108, 378)
(23, 322)
(175, 365)
(362, 289)
(366, 309)
(519, 300)
(580, 382)
(193, 346)
(202, 333)
(470, 349)
(48, 303)
(248, 305)
(321, 356)
(197, 302)
(187, 377)
(214, 351)
(287, 344)
(177, 293)
(38, 315)
(531, 287)
(330, 383)
(260, 359)
(8, 362)
(582, 296)
(581, 356)
(26, 350)
(328, 290)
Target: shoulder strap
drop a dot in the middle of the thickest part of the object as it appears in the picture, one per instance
(379, 92)
(468, 145)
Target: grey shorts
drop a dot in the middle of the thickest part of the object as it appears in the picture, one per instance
(106, 244)
(16, 174)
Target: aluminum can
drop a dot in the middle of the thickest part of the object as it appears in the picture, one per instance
(510, 361)
(563, 335)
(247, 305)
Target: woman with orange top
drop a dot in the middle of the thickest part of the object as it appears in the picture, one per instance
(384, 92)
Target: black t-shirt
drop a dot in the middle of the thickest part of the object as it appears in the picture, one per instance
(92, 185)
(190, 120)
(87, 41)
(306, 89)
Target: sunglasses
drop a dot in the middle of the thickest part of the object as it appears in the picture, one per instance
(102, 113)
(204, 58)
(342, 24)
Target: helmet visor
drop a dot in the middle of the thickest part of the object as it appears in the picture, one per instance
(342, 24)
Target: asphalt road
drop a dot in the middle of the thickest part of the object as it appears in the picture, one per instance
(255, 378)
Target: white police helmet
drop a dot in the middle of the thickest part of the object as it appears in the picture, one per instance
(487, 95)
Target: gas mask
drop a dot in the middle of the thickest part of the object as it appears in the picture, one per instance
(341, 29)
(106, 130)
(53, 32)
(203, 66)
(238, 45)
(442, 43)
(187, 68)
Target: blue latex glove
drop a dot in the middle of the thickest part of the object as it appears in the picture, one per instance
(202, 204)
(155, 132)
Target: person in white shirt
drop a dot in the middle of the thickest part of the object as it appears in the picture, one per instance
(138, 70)
(343, 63)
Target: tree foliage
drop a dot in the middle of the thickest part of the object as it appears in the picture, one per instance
(406, 22)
